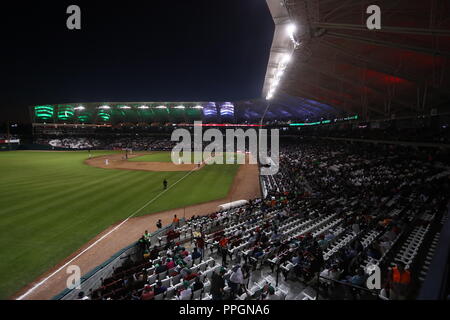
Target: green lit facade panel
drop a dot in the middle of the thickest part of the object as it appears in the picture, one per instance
(104, 115)
(146, 115)
(161, 115)
(44, 113)
(84, 116)
(123, 113)
(65, 113)
(177, 114)
(194, 114)
(114, 113)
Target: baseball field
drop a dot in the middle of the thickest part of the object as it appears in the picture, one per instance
(52, 203)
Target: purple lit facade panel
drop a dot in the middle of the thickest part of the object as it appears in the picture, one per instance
(227, 109)
(210, 110)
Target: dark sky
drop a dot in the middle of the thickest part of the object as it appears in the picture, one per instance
(155, 50)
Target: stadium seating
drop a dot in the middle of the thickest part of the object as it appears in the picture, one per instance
(334, 206)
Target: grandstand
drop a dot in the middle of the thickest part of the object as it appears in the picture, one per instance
(333, 212)
(358, 210)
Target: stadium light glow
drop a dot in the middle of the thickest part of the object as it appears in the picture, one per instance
(161, 107)
(104, 107)
(180, 107)
(291, 28)
(286, 58)
(79, 108)
(198, 107)
(125, 107)
(143, 107)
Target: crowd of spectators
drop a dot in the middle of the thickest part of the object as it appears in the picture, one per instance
(332, 213)
(423, 134)
(71, 143)
(109, 143)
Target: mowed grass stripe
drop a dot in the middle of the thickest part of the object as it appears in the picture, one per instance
(77, 205)
(65, 203)
(53, 204)
(42, 195)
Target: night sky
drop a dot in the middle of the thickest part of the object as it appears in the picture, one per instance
(158, 50)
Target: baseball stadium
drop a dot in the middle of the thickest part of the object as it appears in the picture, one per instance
(355, 121)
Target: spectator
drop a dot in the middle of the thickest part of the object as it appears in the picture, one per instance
(160, 268)
(147, 293)
(217, 284)
(359, 279)
(176, 221)
(198, 284)
(159, 288)
(154, 253)
(223, 245)
(135, 295)
(200, 242)
(186, 291)
(401, 279)
(196, 254)
(147, 237)
(236, 280)
(170, 264)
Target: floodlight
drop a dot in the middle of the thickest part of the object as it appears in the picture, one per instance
(286, 58)
(291, 28)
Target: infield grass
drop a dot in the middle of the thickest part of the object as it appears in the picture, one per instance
(163, 156)
(51, 204)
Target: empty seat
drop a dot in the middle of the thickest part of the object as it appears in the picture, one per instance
(176, 279)
(159, 296)
(170, 293)
(166, 282)
(197, 295)
(151, 279)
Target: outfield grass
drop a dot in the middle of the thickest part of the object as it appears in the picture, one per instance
(163, 156)
(52, 203)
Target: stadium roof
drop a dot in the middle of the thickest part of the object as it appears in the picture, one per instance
(400, 70)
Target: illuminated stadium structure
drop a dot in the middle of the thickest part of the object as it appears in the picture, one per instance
(362, 185)
(135, 112)
(286, 108)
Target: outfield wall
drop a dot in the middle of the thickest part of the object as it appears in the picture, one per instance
(36, 147)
